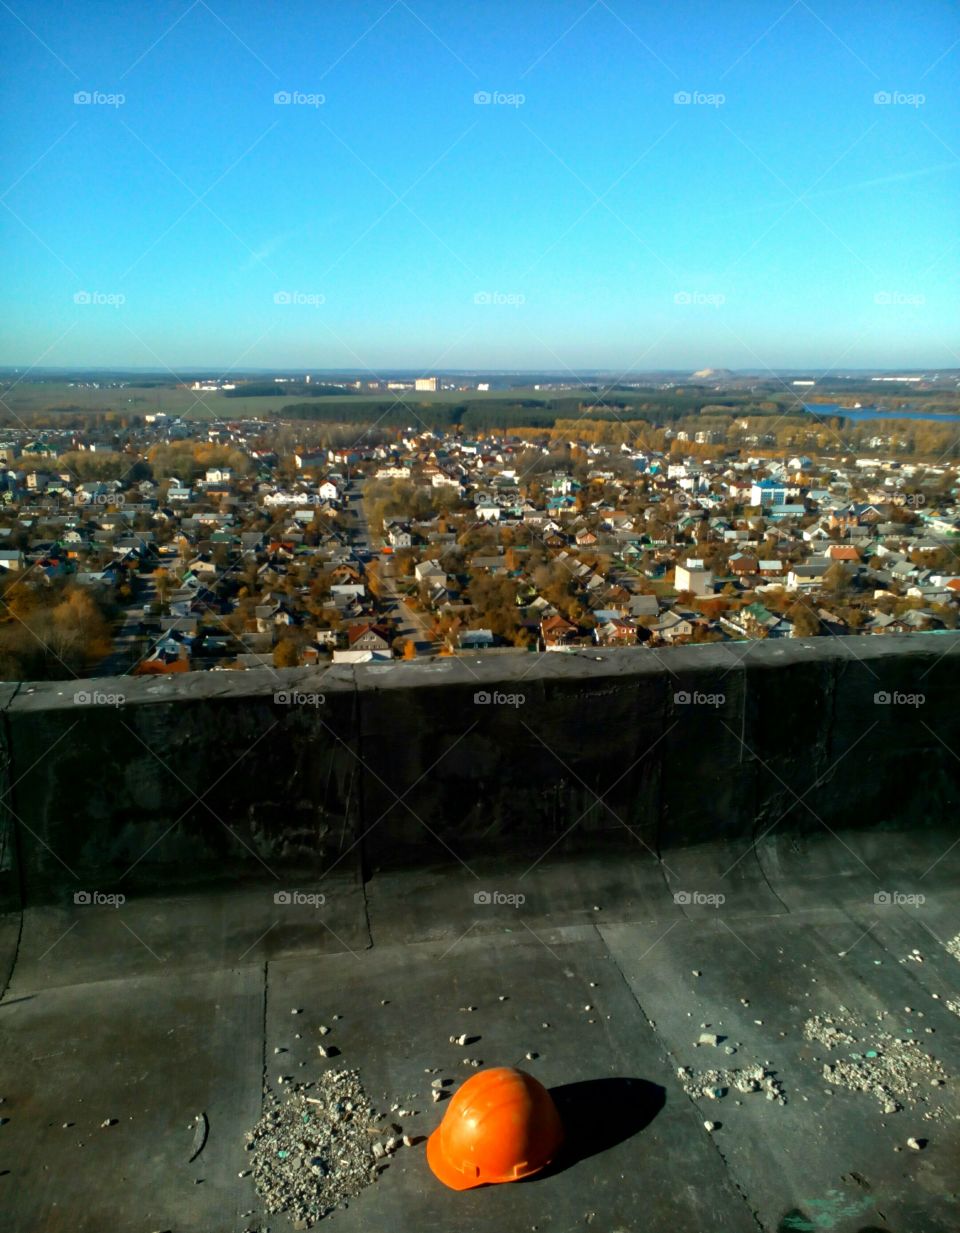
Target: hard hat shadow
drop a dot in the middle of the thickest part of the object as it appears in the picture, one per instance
(597, 1114)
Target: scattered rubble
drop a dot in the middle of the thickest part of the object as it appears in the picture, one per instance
(715, 1084)
(832, 1030)
(893, 1069)
(311, 1153)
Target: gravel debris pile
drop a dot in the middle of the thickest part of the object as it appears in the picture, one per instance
(715, 1084)
(894, 1069)
(318, 1147)
(832, 1030)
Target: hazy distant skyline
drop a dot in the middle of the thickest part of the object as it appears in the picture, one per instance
(578, 216)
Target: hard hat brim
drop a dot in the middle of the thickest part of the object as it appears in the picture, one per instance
(443, 1170)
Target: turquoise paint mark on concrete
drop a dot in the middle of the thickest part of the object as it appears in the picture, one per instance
(826, 1213)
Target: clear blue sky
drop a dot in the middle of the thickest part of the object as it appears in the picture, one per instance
(782, 213)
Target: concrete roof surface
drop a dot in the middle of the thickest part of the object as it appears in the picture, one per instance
(164, 1008)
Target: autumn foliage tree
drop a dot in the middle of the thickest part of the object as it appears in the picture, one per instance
(286, 654)
(52, 634)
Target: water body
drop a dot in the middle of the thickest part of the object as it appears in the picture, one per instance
(860, 415)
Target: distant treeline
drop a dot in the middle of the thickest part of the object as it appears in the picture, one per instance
(471, 416)
(495, 413)
(271, 389)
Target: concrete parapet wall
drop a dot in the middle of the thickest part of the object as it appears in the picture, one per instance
(227, 775)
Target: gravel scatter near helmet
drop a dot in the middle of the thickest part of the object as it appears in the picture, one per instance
(715, 1084)
(318, 1147)
(890, 1066)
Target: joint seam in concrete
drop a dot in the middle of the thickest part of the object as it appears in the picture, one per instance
(668, 1054)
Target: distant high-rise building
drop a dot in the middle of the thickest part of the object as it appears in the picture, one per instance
(427, 384)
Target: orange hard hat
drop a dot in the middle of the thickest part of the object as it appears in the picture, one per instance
(500, 1126)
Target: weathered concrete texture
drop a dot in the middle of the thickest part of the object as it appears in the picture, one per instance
(117, 1014)
(295, 773)
(607, 1071)
(832, 1154)
(182, 780)
(145, 1055)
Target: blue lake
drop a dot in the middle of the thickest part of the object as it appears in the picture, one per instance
(824, 410)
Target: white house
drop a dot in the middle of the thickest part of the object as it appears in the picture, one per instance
(425, 570)
(693, 577)
(768, 493)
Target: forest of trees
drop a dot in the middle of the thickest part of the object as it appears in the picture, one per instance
(270, 389)
(51, 633)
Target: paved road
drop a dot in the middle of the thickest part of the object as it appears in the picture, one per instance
(411, 625)
(129, 645)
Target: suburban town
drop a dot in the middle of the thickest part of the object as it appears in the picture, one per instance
(156, 544)
(480, 617)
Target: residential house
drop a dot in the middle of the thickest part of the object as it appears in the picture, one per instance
(557, 633)
(368, 638)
